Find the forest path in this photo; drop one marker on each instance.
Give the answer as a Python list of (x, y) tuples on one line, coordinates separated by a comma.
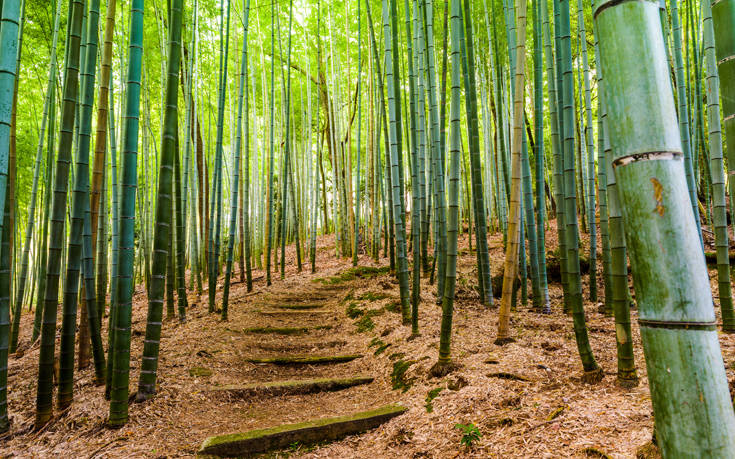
[(300, 349), (202, 359)]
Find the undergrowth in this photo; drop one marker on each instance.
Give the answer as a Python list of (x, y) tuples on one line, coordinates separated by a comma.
[(433, 393), (358, 272), (398, 378)]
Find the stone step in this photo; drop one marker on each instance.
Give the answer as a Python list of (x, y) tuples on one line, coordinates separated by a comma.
[(299, 298), (298, 306), (296, 313), (285, 330), (285, 346), (304, 359), (309, 432), (308, 386)]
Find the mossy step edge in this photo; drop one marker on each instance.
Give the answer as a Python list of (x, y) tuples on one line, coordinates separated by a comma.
[(285, 330), (298, 307), (309, 432), (304, 360), (295, 312), (308, 386)]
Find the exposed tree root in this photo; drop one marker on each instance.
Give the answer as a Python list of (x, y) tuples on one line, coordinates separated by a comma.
[(443, 368), (593, 376)]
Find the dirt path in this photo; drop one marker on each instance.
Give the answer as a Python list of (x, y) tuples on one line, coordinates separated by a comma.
[(297, 317), (544, 410)]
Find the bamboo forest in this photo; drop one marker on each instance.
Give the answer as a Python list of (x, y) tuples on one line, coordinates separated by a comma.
[(367, 228)]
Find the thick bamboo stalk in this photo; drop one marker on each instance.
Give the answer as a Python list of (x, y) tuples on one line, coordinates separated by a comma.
[(444, 364), (120, 364), (44, 392), (685, 368)]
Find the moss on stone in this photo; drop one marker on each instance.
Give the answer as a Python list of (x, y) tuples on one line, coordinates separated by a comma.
[(373, 296), (309, 432), (358, 272), (200, 372)]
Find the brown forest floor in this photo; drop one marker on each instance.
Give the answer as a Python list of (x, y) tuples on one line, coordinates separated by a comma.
[(514, 416)]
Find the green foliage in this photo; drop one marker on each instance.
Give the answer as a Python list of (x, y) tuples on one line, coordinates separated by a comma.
[(348, 297), (398, 378), (382, 346), (365, 324), (373, 296), (358, 272), (199, 372), (354, 311), (394, 306), (470, 434), (433, 393)]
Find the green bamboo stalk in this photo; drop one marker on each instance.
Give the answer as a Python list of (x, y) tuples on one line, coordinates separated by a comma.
[(592, 371), (356, 240), (43, 252), (424, 192), (603, 191), (90, 327), (44, 393), (473, 133), (102, 251), (216, 197), (236, 164), (444, 364), (717, 171), (189, 164), (20, 289), (437, 143), (539, 151), (619, 294), (686, 373), (5, 289), (269, 224), (245, 224), (394, 136), (723, 22), (286, 169), (557, 107), (115, 242), (163, 229), (591, 200), (683, 109), (415, 194), (180, 231), (119, 385)]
